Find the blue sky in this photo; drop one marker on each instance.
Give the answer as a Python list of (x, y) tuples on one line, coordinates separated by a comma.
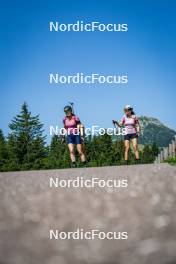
[(146, 53)]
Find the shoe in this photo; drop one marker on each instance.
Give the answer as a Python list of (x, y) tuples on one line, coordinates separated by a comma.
[(137, 161), (73, 165), (126, 162), (84, 164)]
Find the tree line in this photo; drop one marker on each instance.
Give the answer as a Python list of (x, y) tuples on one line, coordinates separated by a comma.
[(25, 147)]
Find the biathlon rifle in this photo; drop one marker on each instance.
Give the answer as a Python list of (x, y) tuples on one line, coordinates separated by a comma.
[(72, 104)]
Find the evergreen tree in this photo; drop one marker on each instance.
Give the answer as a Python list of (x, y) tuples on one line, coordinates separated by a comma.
[(3, 152), (155, 150), (106, 153), (149, 153), (25, 148), (147, 156), (93, 150), (100, 150), (118, 152), (13, 164), (27, 143), (58, 153)]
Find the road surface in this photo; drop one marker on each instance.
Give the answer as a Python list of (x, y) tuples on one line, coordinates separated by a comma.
[(145, 210)]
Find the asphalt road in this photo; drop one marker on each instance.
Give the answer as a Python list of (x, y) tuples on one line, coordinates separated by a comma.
[(145, 210)]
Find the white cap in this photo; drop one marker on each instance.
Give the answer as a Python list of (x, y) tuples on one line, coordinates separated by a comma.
[(128, 107)]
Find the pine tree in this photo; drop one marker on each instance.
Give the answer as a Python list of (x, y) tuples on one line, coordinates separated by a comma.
[(27, 143), (3, 152), (58, 153), (147, 154), (118, 152), (99, 150), (13, 164), (155, 150), (93, 151), (106, 154)]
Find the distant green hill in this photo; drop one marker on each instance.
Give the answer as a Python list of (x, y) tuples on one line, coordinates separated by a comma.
[(155, 131)]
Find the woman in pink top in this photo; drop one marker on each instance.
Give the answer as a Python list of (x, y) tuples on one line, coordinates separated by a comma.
[(131, 123)]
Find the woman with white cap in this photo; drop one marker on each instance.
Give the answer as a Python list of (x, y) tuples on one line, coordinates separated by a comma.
[(132, 127)]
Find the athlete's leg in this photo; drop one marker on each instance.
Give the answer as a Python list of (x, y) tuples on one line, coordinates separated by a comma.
[(72, 152), (127, 148), (135, 147), (81, 152)]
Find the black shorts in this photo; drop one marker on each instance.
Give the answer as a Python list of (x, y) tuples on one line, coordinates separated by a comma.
[(130, 136)]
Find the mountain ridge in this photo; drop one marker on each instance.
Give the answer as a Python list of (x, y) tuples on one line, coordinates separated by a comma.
[(154, 131)]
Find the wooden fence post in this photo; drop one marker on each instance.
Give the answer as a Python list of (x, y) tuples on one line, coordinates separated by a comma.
[(167, 152), (162, 155), (174, 147), (170, 150), (159, 158)]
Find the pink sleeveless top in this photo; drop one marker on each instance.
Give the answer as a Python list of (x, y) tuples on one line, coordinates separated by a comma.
[(130, 124), (71, 124)]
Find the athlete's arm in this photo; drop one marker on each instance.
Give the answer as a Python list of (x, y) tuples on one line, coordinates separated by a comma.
[(137, 126), (119, 124), (64, 124), (138, 129), (80, 127)]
